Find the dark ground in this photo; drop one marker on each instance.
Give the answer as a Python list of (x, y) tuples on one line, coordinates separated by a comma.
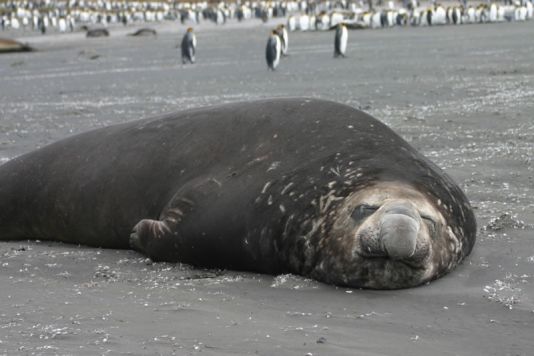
[(462, 95)]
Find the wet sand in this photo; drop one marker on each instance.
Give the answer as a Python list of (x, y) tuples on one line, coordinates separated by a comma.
[(463, 95)]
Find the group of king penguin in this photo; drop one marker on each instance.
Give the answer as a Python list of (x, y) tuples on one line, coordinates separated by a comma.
[(277, 45), (278, 41)]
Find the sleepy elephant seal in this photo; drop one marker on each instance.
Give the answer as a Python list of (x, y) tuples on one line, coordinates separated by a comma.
[(304, 186), (97, 32), (144, 32)]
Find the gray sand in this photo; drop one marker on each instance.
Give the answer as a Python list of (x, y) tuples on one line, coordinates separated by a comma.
[(462, 95)]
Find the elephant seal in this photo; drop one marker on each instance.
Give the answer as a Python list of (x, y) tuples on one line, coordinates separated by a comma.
[(298, 185), (144, 32), (97, 32), (8, 46)]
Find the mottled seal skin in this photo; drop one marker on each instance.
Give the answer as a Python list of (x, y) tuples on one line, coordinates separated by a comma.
[(297, 185)]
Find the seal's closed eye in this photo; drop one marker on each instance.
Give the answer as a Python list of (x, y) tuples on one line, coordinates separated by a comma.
[(363, 211), (432, 228)]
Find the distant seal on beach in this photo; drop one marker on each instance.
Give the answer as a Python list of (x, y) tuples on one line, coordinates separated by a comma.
[(144, 32), (7, 46), (97, 32), (302, 186)]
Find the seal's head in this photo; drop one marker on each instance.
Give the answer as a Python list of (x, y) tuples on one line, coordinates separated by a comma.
[(391, 235)]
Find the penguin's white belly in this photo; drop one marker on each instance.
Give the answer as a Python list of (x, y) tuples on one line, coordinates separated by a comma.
[(278, 52), (343, 41)]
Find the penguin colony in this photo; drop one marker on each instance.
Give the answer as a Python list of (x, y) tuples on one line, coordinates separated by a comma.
[(412, 15), (69, 15), (304, 15)]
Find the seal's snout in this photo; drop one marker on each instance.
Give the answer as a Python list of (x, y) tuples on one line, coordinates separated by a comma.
[(402, 209), (399, 227)]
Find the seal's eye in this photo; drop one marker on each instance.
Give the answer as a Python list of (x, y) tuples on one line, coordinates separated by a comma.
[(431, 224), (363, 211)]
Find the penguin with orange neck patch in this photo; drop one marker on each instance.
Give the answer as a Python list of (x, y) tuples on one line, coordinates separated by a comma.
[(189, 45)]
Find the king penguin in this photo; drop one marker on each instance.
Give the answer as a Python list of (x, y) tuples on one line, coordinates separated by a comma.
[(284, 38), (273, 50), (340, 41), (189, 45)]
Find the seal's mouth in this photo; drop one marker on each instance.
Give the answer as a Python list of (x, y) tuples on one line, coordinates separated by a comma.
[(415, 265), (387, 273)]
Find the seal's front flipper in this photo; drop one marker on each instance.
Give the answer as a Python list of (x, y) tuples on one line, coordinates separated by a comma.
[(166, 238), (158, 239)]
